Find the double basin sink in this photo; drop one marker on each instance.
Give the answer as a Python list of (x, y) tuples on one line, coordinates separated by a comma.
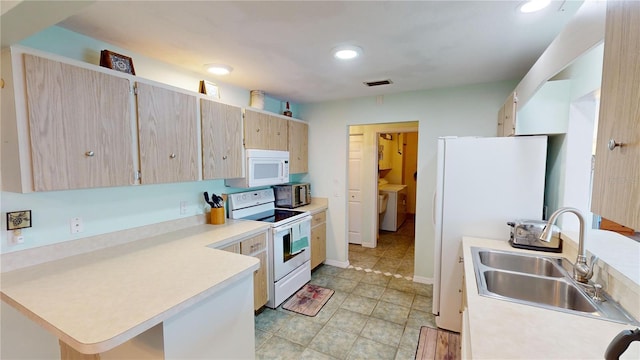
[(542, 281)]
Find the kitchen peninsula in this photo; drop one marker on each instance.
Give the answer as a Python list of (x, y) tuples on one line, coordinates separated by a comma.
[(166, 296)]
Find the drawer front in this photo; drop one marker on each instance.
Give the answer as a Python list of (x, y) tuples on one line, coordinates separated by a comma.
[(253, 244), (234, 248), (319, 218)]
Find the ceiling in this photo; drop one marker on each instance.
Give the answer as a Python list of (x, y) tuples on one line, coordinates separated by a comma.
[(284, 47)]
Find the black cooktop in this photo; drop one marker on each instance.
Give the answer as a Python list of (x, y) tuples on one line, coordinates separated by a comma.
[(274, 215)]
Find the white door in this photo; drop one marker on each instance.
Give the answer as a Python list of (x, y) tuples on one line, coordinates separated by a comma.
[(355, 188)]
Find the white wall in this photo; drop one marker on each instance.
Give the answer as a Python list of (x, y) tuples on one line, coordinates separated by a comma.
[(469, 110)]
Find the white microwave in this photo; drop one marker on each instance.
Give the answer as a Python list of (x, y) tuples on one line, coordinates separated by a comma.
[(263, 168)]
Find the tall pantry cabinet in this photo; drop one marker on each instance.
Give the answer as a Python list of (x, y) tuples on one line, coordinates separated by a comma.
[(616, 184)]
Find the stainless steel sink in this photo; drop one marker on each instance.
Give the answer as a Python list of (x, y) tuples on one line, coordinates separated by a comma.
[(535, 265), (548, 291), (542, 281)]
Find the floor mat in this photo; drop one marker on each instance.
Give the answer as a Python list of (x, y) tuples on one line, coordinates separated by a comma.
[(308, 300), (438, 344)]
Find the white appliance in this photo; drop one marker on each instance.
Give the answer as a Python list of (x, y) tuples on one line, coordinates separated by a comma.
[(482, 183), (396, 212), (263, 168), (289, 251)]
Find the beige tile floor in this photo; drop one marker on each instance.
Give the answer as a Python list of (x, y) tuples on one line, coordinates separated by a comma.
[(394, 253), (370, 316)]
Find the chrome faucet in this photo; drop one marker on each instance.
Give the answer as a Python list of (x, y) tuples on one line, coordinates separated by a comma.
[(582, 271)]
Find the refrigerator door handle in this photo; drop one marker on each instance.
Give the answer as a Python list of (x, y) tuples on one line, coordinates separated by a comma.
[(433, 208)]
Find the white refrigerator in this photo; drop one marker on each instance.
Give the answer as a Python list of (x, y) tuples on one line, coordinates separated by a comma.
[(482, 183)]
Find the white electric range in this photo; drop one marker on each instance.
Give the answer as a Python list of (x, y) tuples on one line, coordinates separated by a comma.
[(289, 249)]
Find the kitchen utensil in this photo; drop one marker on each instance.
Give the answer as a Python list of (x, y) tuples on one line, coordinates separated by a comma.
[(206, 198)]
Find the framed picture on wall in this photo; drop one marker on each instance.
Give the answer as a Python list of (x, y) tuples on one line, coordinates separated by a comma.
[(210, 89), (116, 61)]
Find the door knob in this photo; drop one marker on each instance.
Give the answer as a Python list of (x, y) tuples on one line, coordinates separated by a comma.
[(613, 144)]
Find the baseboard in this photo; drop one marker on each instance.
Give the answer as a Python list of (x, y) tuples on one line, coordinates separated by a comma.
[(422, 280), (340, 264)]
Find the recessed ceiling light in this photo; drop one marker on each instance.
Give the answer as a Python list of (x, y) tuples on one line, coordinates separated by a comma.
[(347, 52), (534, 5), (218, 69)]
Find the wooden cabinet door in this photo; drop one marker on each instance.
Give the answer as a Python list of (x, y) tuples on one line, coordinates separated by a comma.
[(509, 113), (278, 133), (80, 126), (256, 130), (257, 247), (298, 147), (501, 121), (616, 184), (167, 135), (318, 239), (260, 289), (264, 131), (221, 140)]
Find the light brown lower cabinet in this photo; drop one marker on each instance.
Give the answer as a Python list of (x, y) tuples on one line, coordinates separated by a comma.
[(318, 239), (255, 246)]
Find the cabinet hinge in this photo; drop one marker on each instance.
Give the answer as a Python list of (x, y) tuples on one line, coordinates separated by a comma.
[(135, 90), (137, 175)]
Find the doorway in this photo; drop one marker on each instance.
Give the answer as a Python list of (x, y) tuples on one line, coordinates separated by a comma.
[(382, 159)]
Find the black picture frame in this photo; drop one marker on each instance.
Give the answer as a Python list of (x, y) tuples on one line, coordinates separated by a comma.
[(19, 220)]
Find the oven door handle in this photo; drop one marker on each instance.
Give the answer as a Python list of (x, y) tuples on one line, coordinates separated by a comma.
[(299, 252)]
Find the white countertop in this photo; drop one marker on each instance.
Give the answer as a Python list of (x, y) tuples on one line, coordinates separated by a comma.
[(506, 330), (99, 300), (317, 205), (391, 187)]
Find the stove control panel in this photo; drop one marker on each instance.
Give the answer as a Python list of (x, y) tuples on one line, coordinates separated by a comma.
[(251, 198)]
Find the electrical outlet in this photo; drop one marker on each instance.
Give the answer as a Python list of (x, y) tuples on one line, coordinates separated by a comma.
[(16, 237), (183, 207), (76, 225)]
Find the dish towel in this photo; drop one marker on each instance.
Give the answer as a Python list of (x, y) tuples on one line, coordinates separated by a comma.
[(300, 239)]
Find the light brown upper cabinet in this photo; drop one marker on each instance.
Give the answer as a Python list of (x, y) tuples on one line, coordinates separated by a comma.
[(79, 126), (298, 147), (265, 131), (507, 116), (221, 140), (616, 184), (167, 135)]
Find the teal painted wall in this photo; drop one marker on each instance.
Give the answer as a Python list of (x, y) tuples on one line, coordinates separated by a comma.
[(111, 209)]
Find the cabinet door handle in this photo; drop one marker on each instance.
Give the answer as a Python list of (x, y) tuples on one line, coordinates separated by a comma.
[(172, 156), (613, 144), (224, 157), (89, 153)]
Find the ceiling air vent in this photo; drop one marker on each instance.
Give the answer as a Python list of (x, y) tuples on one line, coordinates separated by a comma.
[(378, 83)]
